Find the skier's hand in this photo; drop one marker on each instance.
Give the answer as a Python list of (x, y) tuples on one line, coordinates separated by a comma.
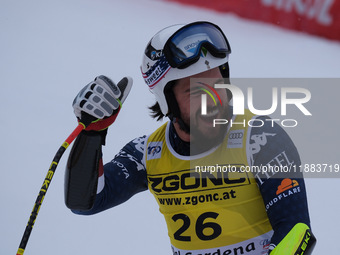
[(100, 101)]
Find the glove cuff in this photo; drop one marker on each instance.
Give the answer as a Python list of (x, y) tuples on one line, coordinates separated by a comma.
[(102, 124)]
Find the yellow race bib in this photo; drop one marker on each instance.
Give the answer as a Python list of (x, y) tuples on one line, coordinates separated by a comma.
[(209, 204)]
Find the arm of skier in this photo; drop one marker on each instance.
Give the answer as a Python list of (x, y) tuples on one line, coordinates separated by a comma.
[(101, 100), (282, 188), (117, 181)]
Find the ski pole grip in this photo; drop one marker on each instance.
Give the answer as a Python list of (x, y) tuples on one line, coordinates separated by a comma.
[(86, 119)]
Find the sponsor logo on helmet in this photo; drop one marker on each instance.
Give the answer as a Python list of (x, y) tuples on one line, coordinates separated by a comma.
[(153, 53), (156, 72), (156, 54)]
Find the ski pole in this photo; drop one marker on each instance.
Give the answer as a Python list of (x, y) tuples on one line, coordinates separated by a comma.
[(81, 126)]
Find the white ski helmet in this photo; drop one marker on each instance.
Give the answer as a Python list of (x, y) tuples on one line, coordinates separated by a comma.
[(181, 51)]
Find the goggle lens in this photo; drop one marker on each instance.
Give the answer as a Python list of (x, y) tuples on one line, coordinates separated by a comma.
[(191, 42)]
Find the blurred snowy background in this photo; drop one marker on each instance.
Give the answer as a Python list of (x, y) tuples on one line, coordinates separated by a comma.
[(50, 49)]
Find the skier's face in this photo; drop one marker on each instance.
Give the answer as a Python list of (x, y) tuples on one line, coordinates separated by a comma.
[(188, 92)]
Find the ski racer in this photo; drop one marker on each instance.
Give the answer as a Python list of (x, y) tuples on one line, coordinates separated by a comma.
[(194, 170)]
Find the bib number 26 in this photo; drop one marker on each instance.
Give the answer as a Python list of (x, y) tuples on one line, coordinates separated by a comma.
[(202, 223)]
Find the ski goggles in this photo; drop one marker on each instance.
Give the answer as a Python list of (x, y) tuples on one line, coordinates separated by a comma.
[(188, 44)]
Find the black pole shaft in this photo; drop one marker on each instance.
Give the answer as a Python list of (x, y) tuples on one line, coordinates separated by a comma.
[(40, 199)]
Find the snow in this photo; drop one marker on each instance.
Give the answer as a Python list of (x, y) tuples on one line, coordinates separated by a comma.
[(50, 49)]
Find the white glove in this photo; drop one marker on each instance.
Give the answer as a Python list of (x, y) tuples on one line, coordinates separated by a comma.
[(102, 100)]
